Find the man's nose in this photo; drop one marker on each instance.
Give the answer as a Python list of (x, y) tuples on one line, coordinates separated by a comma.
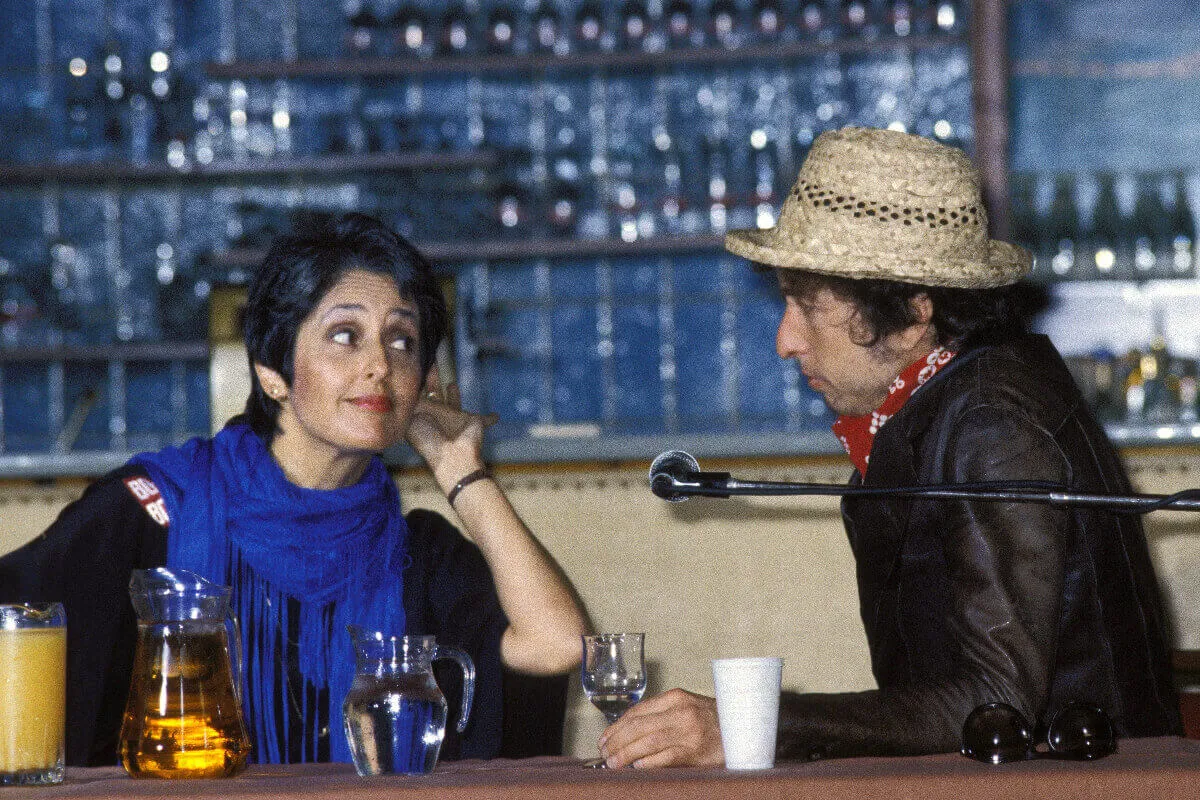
[(789, 339)]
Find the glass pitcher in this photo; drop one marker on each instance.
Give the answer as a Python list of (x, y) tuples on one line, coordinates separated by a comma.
[(183, 718), (394, 712)]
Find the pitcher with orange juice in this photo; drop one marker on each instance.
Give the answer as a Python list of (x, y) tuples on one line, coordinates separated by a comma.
[(183, 718)]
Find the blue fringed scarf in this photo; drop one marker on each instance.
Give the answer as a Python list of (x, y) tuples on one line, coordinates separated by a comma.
[(339, 554)]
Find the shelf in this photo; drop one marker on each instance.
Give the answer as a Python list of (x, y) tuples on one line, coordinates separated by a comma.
[(257, 168), (526, 62), (136, 351), (502, 250)]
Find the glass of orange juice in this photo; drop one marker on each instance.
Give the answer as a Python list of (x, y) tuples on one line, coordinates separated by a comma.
[(33, 670)]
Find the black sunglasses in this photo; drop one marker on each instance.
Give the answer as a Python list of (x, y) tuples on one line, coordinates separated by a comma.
[(996, 732)]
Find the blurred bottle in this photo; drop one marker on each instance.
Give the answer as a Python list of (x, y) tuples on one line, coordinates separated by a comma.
[(1138, 364), (79, 95), (947, 16), (671, 201), (510, 206), (681, 24), (1022, 217), (769, 21), (547, 29), (1184, 370), (898, 17), (854, 20), (813, 19), (411, 30), (114, 95), (168, 109), (764, 162), (1107, 237), (716, 153), (1057, 239), (1148, 228), (562, 207), (501, 29), (726, 24), (590, 33), (363, 28), (457, 36), (634, 25), (1183, 228)]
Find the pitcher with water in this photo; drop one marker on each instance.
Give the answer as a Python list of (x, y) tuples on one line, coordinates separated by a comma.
[(395, 714), (183, 718)]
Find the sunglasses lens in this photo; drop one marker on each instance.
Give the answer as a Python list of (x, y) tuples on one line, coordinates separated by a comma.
[(995, 733), (1082, 732)]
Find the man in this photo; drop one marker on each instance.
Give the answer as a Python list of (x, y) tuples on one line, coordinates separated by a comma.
[(901, 312)]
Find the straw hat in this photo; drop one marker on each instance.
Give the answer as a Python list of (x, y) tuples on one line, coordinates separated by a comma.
[(875, 203)]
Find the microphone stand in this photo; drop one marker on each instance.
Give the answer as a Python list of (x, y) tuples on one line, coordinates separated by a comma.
[(670, 482)]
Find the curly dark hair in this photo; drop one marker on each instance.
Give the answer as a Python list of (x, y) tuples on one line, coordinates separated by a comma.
[(300, 268), (961, 317)]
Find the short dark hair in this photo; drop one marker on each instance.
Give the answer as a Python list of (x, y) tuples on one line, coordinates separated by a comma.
[(961, 317), (297, 272)]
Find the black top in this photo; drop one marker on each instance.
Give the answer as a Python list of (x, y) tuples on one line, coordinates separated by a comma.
[(969, 602), (84, 561)]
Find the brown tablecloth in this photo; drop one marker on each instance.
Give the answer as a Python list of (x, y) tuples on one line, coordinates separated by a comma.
[(1166, 767)]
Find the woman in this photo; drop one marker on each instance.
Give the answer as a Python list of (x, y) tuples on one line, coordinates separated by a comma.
[(291, 505)]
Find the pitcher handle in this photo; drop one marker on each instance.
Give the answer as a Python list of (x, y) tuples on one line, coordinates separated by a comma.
[(238, 676), (468, 669)]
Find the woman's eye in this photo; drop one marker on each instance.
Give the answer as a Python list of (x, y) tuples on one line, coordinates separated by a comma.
[(404, 343), (343, 336)]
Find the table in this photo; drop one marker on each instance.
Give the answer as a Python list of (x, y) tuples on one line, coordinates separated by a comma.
[(1167, 767)]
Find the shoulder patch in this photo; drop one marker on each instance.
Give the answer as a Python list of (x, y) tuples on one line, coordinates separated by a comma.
[(146, 493)]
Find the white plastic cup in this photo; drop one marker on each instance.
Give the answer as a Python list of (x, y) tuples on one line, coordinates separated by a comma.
[(748, 709)]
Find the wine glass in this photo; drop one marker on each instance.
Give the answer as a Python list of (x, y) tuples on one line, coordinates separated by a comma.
[(614, 671)]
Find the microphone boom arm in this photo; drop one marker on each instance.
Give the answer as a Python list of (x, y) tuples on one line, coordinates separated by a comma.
[(671, 479)]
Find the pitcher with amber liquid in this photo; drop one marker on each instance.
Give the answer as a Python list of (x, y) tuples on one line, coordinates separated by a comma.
[(183, 718)]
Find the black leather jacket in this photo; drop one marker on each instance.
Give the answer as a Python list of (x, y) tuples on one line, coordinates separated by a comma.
[(969, 602)]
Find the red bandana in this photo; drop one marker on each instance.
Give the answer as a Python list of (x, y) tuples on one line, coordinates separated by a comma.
[(857, 434)]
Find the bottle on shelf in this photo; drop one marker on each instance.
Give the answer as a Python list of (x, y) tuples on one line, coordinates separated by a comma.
[(546, 29), (1183, 232), (79, 96), (457, 34), (769, 20), (114, 95), (634, 25), (725, 24), (1151, 239), (948, 16), (590, 29), (717, 161), (1022, 217), (501, 29), (764, 161), (855, 20), (411, 32), (681, 24), (813, 20), (898, 17), (363, 28), (1059, 231), (1107, 237)]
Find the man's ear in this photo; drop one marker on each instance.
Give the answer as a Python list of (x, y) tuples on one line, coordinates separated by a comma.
[(922, 307)]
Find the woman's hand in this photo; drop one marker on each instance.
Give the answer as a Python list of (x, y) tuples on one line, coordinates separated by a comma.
[(545, 617), (449, 439)]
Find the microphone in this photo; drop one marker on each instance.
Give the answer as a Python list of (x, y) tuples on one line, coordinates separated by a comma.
[(676, 476), (676, 470)]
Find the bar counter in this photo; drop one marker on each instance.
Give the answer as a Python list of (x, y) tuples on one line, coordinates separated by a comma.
[(1167, 767)]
